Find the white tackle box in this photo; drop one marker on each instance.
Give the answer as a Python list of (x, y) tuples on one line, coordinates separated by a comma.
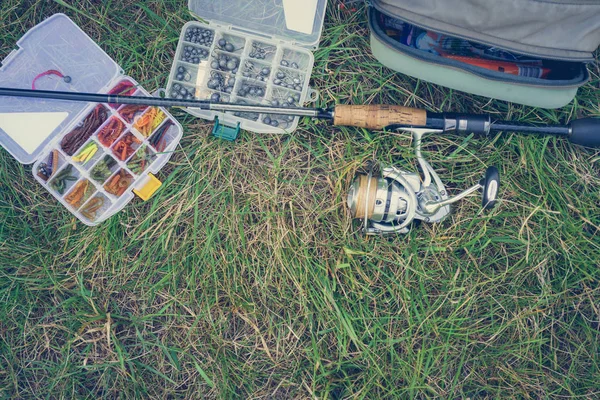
[(279, 74), (132, 143)]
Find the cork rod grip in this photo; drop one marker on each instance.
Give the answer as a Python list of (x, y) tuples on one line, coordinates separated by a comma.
[(378, 116)]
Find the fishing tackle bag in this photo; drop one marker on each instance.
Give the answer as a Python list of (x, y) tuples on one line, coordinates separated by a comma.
[(532, 52)]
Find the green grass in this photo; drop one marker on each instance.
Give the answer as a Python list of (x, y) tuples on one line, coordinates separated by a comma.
[(243, 276)]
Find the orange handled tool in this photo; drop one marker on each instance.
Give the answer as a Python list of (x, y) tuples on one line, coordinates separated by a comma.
[(506, 67)]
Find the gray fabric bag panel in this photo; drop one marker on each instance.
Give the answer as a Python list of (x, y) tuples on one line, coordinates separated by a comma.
[(556, 29)]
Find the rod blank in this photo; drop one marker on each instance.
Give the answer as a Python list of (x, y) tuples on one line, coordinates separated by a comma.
[(585, 132), (162, 102)]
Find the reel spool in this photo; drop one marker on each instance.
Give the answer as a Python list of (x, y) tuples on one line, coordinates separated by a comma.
[(391, 203)]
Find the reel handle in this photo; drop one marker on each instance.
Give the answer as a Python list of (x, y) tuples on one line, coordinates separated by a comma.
[(585, 132), (490, 184)]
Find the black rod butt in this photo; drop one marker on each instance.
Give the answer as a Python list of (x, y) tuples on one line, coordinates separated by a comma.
[(585, 132)]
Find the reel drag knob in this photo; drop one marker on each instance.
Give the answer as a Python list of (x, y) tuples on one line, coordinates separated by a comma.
[(490, 184)]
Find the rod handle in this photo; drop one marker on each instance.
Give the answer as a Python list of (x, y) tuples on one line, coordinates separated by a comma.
[(378, 116), (585, 132)]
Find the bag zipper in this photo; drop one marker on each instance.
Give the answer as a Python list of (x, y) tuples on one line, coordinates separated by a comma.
[(487, 43)]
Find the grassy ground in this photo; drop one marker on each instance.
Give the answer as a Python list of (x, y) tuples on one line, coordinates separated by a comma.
[(244, 277)]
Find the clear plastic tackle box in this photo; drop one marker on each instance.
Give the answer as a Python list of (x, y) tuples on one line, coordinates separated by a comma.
[(249, 52), (91, 157)]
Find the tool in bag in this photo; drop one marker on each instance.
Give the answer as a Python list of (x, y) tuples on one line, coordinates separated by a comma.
[(530, 52)]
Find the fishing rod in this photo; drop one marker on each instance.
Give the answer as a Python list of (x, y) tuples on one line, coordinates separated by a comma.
[(584, 132)]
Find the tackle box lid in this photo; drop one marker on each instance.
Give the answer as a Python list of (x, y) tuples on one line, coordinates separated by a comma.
[(56, 44), (297, 21)]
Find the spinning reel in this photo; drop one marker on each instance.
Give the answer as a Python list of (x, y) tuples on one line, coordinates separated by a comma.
[(391, 203)]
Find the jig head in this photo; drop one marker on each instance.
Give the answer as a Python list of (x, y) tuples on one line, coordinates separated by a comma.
[(391, 203)]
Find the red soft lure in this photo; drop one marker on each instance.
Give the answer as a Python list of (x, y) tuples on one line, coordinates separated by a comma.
[(49, 72), (124, 88)]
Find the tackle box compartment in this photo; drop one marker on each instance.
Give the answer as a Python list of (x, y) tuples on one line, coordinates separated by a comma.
[(249, 52), (131, 142)]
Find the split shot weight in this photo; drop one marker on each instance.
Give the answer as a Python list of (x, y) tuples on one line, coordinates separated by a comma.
[(183, 75), (226, 46), (199, 36), (288, 64), (225, 62), (251, 90), (220, 82), (181, 92), (193, 55)]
